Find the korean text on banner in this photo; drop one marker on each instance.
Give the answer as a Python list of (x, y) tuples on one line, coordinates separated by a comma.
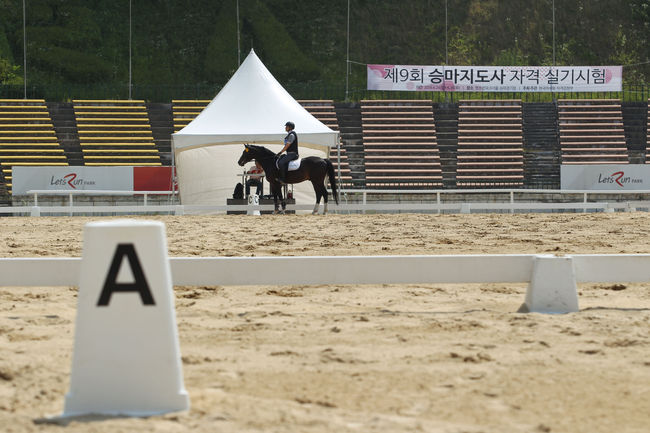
[(495, 78)]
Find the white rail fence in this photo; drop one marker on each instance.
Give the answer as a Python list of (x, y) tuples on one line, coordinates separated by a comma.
[(354, 201), (71, 193), (551, 279)]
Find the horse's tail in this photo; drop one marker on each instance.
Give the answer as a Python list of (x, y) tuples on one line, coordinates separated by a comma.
[(332, 176)]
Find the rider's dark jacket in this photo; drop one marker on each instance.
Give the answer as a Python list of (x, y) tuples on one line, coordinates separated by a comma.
[(293, 138)]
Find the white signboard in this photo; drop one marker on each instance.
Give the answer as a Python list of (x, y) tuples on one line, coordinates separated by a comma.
[(495, 78), (71, 178), (615, 177)]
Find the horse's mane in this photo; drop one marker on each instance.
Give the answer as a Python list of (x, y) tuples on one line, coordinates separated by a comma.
[(261, 149)]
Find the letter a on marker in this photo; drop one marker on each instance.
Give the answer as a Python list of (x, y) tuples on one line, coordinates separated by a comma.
[(139, 285)]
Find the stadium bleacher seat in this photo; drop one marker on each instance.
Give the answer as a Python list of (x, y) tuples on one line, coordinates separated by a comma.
[(115, 132), (185, 110), (323, 110), (591, 131), (400, 146), (27, 137), (490, 143)]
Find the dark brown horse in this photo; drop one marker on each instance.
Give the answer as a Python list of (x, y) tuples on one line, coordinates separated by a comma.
[(311, 168)]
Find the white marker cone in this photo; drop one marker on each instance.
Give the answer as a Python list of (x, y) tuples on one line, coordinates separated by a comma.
[(552, 287), (126, 357)]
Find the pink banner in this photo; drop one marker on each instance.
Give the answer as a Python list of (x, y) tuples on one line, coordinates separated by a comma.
[(495, 78)]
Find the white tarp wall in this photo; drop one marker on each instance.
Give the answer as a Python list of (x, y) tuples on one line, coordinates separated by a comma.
[(208, 175), (251, 108)]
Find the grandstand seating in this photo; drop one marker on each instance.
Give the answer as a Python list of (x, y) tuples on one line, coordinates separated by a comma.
[(323, 110), (115, 132), (490, 143), (27, 137), (185, 110), (399, 138), (591, 131), (399, 141)]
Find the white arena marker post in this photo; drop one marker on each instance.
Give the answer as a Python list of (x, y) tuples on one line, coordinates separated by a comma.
[(253, 200), (552, 287), (126, 357)]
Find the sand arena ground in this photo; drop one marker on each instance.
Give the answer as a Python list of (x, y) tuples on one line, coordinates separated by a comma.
[(387, 358)]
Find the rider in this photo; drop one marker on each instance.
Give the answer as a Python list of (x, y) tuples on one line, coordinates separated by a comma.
[(291, 147)]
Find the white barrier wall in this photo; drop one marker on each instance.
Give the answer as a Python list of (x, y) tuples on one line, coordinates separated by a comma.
[(368, 270)]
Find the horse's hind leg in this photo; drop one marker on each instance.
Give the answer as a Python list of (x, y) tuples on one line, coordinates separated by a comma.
[(325, 200), (315, 211), (318, 193), (282, 199)]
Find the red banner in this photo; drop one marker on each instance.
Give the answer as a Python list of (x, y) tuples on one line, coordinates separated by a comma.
[(153, 179)]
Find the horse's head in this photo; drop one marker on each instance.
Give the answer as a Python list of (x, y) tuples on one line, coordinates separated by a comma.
[(246, 156)]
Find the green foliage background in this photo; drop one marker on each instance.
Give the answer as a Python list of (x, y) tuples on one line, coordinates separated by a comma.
[(83, 45)]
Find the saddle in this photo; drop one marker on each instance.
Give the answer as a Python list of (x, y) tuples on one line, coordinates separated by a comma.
[(293, 165)]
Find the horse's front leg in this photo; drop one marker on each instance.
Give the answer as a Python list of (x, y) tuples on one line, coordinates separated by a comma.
[(277, 191), (276, 203)]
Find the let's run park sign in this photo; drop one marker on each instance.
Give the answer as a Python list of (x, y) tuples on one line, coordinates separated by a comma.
[(615, 177), (495, 78), (76, 178)]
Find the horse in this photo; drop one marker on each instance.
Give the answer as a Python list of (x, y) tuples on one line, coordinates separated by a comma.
[(311, 168)]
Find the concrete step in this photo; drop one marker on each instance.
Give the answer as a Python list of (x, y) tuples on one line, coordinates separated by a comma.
[(162, 126), (65, 128)]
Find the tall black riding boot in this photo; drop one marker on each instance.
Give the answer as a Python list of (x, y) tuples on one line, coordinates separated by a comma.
[(282, 176)]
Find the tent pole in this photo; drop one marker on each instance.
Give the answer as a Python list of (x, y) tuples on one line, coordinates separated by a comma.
[(174, 180), (338, 156)]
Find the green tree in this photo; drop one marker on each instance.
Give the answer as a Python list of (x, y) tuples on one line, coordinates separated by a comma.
[(84, 44), (9, 74)]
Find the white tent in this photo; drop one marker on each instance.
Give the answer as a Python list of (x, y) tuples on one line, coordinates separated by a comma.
[(251, 108)]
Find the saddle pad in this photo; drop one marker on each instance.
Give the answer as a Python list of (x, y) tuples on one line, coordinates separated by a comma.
[(294, 165)]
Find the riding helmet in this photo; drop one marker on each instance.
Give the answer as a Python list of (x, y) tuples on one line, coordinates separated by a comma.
[(290, 125)]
